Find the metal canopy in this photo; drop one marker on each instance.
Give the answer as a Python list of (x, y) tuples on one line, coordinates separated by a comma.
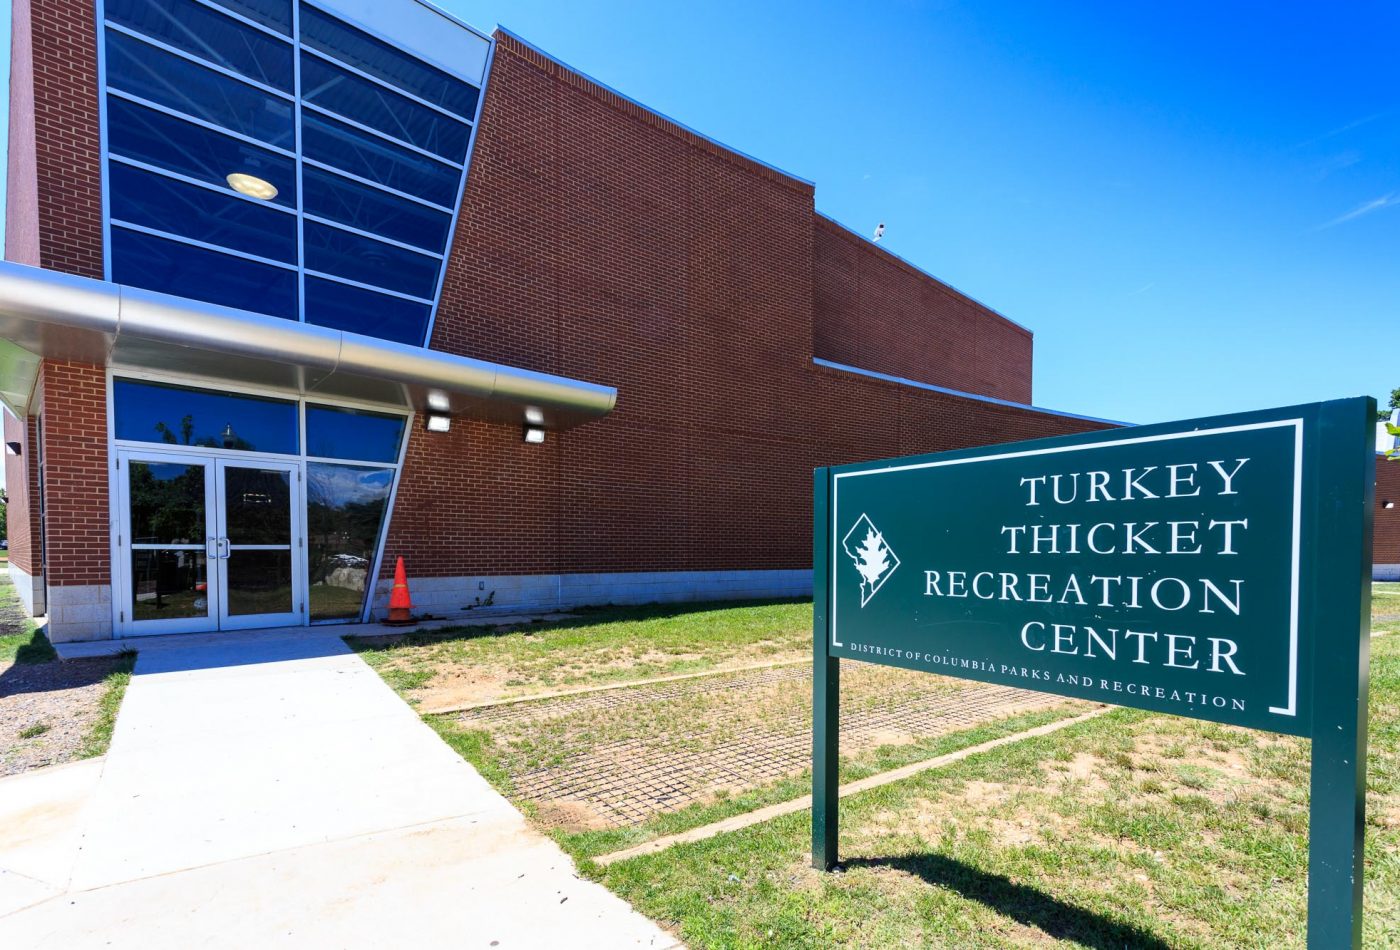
[(51, 315)]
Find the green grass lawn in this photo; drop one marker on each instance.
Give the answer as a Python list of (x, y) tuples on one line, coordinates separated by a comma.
[(20, 640), (22, 643), (1385, 599), (99, 737), (495, 759), (595, 646), (1132, 830)]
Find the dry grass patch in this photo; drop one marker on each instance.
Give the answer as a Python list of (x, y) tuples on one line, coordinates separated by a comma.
[(456, 667), (1130, 830)]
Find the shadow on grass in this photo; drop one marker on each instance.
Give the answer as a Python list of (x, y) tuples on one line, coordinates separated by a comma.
[(1021, 902), (578, 617), (41, 671), (35, 649)]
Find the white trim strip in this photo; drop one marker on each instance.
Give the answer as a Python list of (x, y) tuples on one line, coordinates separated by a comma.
[(646, 108), (908, 263), (914, 383)]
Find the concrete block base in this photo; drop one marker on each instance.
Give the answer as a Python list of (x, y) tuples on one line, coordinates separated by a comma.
[(80, 612), (29, 588), (461, 596)]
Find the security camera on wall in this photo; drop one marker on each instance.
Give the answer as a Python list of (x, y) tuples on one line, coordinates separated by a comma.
[(879, 231)]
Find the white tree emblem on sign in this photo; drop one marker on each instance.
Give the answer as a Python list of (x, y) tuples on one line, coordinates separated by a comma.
[(873, 558)]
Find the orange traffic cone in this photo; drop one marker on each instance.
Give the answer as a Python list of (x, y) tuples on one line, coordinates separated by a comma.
[(399, 602)]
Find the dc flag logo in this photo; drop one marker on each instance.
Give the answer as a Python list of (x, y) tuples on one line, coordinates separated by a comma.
[(873, 558)]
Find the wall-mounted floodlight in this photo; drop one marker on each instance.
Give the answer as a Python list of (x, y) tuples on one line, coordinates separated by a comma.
[(1384, 504), (534, 435), (12, 448), (534, 415), (438, 423), (438, 401)]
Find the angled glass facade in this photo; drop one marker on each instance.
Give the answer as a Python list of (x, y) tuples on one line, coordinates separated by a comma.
[(269, 155)]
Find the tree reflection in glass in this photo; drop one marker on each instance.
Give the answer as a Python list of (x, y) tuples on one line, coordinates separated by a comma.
[(345, 507)]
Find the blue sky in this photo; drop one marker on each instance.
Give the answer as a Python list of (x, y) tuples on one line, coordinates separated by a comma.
[(1195, 206)]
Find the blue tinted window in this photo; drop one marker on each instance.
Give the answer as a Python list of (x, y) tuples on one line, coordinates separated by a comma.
[(333, 251), (344, 93), (345, 507), (274, 13), (385, 62), (357, 310), (335, 143), (142, 260), (209, 34), (158, 139), (141, 197), (179, 84), (352, 434), (176, 415), (330, 196)]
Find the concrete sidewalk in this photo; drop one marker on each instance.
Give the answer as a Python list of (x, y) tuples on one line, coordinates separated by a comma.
[(276, 792)]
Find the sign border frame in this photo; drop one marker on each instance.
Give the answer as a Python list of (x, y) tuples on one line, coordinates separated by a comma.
[(1298, 451)]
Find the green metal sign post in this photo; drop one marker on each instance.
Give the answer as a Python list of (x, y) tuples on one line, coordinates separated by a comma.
[(1216, 568)]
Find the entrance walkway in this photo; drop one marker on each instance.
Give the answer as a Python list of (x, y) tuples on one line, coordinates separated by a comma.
[(275, 792)]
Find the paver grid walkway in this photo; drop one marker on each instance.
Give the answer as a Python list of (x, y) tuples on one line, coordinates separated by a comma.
[(629, 781)]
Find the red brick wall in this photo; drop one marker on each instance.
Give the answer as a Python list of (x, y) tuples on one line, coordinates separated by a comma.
[(22, 508), (67, 158), (874, 311), (54, 220), (601, 242), (1386, 548), (75, 474)]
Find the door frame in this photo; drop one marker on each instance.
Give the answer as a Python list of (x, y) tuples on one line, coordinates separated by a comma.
[(296, 545), (123, 599), (214, 461)]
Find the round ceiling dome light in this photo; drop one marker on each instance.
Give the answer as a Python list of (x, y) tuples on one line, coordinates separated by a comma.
[(252, 186)]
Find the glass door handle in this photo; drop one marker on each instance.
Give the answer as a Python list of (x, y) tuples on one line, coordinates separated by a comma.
[(224, 548), (211, 549)]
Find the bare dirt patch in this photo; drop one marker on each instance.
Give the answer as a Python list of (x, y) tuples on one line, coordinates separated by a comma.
[(570, 816), (48, 709), (457, 686)]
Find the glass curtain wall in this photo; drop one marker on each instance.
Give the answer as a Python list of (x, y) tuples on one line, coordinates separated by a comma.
[(269, 156), (351, 458), (346, 504)]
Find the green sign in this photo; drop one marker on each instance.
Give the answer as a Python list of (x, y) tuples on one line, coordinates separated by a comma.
[(1216, 568)]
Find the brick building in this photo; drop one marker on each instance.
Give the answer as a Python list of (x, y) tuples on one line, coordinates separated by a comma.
[(1386, 553), (297, 288)]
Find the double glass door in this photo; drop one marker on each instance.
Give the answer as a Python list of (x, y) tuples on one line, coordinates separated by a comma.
[(209, 543)]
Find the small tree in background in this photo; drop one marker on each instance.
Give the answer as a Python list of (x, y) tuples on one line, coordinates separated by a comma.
[(1393, 454)]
